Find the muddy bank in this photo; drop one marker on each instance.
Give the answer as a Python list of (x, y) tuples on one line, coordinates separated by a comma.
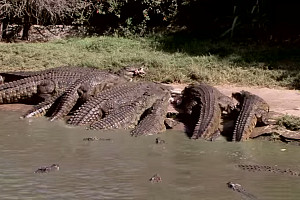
[(281, 102)]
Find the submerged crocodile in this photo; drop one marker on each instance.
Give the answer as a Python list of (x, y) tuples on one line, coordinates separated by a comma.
[(96, 139), (237, 187), (258, 168), (159, 141), (156, 178), (46, 169), (205, 103), (80, 89), (253, 109)]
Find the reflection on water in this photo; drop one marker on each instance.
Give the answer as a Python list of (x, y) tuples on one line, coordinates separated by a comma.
[(121, 169)]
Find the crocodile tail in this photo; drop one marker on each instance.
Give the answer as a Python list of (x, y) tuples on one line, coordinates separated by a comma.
[(246, 120)]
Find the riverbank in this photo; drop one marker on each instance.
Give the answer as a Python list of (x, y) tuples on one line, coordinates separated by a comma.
[(282, 102)]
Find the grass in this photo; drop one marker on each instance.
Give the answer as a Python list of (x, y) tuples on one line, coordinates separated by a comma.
[(168, 59), (289, 122)]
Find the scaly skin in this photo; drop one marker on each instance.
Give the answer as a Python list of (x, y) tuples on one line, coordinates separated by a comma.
[(126, 116), (253, 109), (88, 86), (265, 168), (44, 85), (14, 76), (42, 108), (89, 82), (153, 123), (210, 102), (96, 107), (91, 85)]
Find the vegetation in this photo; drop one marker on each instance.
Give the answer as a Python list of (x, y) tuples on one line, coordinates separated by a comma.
[(250, 19), (169, 59), (290, 122)]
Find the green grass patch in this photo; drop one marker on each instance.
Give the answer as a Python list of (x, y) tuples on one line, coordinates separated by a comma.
[(290, 122), (168, 59)]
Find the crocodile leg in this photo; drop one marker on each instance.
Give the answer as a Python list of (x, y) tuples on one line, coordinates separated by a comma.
[(42, 108)]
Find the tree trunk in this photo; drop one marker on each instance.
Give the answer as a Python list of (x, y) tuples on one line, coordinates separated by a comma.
[(1, 30), (3, 26), (26, 28)]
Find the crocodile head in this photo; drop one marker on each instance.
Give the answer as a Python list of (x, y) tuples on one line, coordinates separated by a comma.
[(132, 71), (239, 96)]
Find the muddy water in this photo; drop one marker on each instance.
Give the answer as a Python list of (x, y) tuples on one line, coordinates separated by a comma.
[(121, 169)]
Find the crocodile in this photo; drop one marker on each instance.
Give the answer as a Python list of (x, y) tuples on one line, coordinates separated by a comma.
[(45, 85), (48, 82), (84, 88), (159, 141), (102, 104), (17, 75), (206, 103), (128, 115), (96, 139), (253, 109), (46, 169), (237, 187), (266, 168), (153, 122)]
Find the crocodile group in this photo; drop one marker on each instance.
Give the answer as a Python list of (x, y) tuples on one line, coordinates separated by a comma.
[(252, 110), (104, 99), (61, 88), (205, 103), (141, 106)]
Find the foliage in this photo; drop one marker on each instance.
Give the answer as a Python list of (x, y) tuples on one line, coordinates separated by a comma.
[(290, 122), (28, 12)]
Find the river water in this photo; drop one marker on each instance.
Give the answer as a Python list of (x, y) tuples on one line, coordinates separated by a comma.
[(121, 169)]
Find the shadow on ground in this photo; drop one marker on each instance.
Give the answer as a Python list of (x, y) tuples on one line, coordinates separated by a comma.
[(283, 57)]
